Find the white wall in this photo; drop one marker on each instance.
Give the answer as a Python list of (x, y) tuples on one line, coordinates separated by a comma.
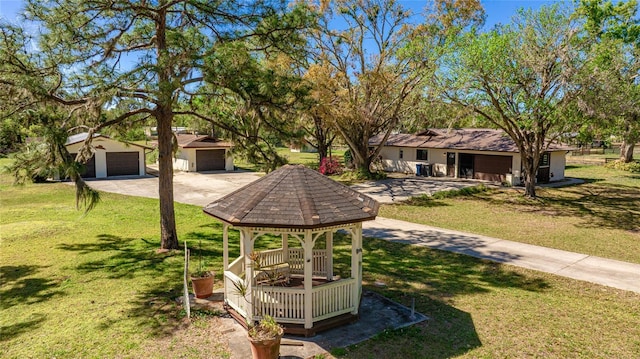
[(102, 145), (438, 157), (557, 164), (185, 159), (392, 162)]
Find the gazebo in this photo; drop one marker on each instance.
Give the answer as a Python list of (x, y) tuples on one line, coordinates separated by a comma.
[(293, 284)]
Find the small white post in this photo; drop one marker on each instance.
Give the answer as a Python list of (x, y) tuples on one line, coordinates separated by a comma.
[(187, 304)]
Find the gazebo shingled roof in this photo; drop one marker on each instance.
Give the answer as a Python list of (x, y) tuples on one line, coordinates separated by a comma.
[(293, 196)]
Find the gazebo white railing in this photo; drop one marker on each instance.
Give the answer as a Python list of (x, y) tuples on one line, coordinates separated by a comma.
[(286, 304)]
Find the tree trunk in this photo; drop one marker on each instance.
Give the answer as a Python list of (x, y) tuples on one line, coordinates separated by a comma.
[(626, 151), (529, 174), (630, 136), (164, 118), (168, 233)]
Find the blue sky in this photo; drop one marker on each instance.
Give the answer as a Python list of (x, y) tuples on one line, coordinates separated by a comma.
[(498, 11)]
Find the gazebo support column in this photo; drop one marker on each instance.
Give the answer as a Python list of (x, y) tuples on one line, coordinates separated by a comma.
[(329, 240), (246, 239), (285, 247), (225, 247), (308, 276), (356, 263)]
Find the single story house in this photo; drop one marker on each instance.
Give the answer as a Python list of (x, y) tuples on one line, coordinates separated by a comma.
[(110, 157), (202, 153), (484, 154)]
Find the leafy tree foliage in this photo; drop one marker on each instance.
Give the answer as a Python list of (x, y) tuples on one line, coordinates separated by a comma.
[(517, 78), (370, 70), (610, 81), (145, 61)]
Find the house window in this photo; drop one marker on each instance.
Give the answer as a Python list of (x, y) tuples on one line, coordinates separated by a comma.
[(421, 155), (544, 160), (401, 154)]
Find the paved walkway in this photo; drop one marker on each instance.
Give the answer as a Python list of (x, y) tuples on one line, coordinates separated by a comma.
[(617, 274)]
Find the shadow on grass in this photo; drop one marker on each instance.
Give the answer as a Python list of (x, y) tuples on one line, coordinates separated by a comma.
[(155, 278), (431, 279), (20, 286), (598, 205), (15, 330), (602, 206)]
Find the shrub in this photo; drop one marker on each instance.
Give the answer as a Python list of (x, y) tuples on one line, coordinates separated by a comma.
[(330, 166), (467, 191), (624, 166)]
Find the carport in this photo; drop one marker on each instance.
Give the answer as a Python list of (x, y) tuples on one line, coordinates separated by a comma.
[(484, 167)]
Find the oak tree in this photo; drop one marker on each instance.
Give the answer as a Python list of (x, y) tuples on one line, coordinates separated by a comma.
[(518, 78)]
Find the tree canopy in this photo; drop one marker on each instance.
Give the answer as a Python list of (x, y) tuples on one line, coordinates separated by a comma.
[(144, 60), (371, 69), (518, 78), (610, 82)]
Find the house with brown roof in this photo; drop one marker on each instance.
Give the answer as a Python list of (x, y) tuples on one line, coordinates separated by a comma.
[(484, 154), (110, 157), (202, 153)]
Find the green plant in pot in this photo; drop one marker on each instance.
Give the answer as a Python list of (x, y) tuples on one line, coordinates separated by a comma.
[(265, 338), (202, 279)]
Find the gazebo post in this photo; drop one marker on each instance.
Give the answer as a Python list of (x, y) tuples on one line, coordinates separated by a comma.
[(285, 247), (246, 240), (308, 276), (225, 247), (356, 262), (329, 241)]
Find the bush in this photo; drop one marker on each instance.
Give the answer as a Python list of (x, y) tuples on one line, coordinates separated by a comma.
[(348, 159), (467, 191), (624, 166), (330, 166)]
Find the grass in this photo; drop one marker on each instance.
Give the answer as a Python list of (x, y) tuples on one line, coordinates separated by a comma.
[(600, 217), (93, 286), (304, 158), (480, 309)]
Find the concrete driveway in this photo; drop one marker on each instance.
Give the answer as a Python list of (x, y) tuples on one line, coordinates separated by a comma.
[(201, 188), (393, 190), (188, 187)]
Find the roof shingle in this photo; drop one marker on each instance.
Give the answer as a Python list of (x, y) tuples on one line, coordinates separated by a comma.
[(458, 139), (293, 196)]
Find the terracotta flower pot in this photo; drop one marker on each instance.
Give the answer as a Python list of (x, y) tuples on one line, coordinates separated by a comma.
[(265, 349), (203, 285)]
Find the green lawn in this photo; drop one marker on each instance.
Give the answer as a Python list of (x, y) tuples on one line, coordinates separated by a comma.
[(305, 158), (600, 217), (78, 286)]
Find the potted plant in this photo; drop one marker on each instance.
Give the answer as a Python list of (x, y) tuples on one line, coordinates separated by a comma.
[(265, 338), (202, 279)]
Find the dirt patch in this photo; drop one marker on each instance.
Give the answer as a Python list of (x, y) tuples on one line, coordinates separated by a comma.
[(202, 337)]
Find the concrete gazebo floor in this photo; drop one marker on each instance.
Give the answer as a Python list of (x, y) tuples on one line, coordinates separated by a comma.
[(377, 314)]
